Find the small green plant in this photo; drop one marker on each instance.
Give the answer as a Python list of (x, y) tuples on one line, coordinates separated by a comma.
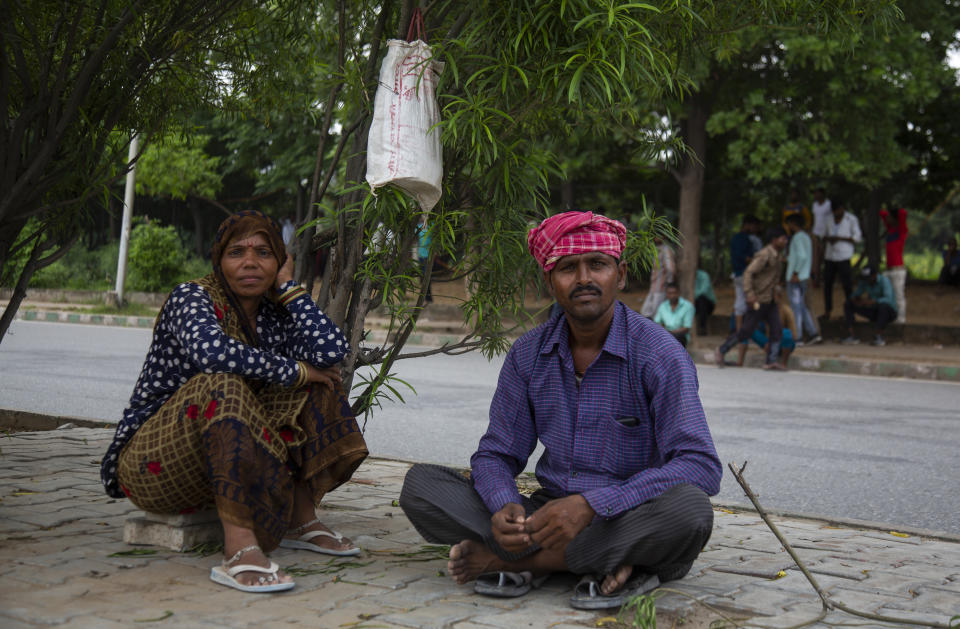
[(640, 611)]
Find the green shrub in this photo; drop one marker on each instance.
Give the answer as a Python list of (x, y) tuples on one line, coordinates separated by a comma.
[(925, 265), (156, 257), (80, 269)]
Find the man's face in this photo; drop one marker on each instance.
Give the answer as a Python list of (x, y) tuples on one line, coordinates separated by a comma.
[(819, 196), (586, 285), (672, 295), (779, 243), (837, 214)]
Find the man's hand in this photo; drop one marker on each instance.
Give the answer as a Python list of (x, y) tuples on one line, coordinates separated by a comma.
[(751, 301), (794, 279), (556, 523), (508, 530)]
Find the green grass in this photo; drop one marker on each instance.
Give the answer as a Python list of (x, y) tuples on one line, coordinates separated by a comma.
[(129, 309)]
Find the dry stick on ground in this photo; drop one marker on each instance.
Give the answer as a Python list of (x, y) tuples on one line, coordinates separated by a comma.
[(827, 602)]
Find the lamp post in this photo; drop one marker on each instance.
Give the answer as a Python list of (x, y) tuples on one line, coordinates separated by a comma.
[(128, 195)]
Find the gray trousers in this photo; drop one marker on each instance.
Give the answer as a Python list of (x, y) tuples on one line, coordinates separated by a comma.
[(662, 536)]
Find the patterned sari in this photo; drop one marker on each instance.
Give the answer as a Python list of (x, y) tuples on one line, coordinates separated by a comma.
[(241, 444)]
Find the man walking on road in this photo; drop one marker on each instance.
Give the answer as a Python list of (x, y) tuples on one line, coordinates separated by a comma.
[(628, 459), (760, 281), (742, 249)]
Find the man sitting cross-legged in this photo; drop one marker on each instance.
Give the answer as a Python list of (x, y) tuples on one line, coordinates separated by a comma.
[(628, 459)]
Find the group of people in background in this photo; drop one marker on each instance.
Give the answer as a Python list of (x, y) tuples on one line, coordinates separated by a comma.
[(772, 280)]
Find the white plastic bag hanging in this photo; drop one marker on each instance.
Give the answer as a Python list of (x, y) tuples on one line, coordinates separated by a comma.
[(403, 146)]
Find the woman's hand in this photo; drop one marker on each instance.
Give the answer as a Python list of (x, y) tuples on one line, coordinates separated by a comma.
[(285, 273), (328, 378)]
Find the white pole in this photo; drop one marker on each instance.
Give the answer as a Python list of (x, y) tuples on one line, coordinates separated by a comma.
[(128, 195)]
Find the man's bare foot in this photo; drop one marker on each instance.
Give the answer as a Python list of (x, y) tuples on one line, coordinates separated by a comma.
[(322, 541), (613, 582), (470, 559), (255, 557)]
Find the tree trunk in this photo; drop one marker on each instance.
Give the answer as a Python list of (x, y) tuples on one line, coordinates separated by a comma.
[(691, 179), (566, 195), (871, 228), (199, 240), (34, 264)]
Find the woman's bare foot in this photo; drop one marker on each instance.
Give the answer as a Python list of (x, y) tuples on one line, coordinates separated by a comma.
[(470, 559), (613, 582), (255, 557), (322, 541)]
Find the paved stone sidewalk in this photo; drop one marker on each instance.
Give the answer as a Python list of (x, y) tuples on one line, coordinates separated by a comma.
[(60, 535)]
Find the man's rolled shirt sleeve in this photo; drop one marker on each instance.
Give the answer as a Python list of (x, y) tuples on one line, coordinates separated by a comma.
[(508, 442), (682, 437)]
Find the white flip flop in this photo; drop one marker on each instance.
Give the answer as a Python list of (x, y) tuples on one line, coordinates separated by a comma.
[(303, 543), (227, 576)]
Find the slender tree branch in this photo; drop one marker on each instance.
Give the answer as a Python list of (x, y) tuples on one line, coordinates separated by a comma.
[(826, 601)]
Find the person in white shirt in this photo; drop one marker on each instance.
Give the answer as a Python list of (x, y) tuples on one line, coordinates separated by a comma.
[(839, 237), (821, 208)]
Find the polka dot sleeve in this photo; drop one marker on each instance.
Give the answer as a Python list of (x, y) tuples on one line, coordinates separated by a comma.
[(311, 335), (194, 322)]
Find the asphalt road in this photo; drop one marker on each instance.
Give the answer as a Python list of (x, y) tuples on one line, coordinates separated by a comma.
[(875, 449)]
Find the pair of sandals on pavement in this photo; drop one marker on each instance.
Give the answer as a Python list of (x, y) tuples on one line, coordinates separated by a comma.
[(226, 573), (586, 595)]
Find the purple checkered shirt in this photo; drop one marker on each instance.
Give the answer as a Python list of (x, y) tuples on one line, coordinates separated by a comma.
[(642, 373)]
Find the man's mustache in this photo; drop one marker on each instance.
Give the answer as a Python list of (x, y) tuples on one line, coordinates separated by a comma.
[(589, 288)]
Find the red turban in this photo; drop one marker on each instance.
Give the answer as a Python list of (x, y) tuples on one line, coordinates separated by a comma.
[(572, 233)]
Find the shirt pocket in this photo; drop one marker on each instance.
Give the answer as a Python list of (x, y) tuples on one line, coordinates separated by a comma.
[(624, 450)]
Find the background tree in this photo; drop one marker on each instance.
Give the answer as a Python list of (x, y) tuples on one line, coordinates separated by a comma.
[(76, 78)]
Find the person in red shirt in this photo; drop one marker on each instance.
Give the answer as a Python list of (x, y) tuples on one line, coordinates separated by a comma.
[(895, 221)]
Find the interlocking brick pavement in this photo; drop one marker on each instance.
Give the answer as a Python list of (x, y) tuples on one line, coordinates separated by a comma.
[(58, 531)]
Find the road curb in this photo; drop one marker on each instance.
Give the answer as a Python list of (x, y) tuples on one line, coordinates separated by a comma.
[(57, 316), (851, 366)]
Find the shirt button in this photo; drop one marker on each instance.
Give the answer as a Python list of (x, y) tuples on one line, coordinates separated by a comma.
[(575, 474), (609, 509)]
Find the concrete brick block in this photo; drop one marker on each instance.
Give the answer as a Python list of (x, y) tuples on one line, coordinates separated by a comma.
[(141, 531), (181, 519)]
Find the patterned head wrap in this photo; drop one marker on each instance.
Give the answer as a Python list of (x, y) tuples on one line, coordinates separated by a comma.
[(240, 225), (573, 233)]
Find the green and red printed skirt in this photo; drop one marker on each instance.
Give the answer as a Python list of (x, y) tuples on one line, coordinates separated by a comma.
[(242, 445)]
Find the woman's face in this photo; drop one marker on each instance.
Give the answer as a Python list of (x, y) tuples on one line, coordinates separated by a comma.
[(249, 265)]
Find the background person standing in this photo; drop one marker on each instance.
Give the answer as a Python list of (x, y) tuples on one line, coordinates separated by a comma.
[(895, 222), (796, 206), (704, 300), (839, 237), (664, 273), (799, 263)]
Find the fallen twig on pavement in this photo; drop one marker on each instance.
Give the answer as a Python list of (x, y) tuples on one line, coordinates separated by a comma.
[(827, 602)]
